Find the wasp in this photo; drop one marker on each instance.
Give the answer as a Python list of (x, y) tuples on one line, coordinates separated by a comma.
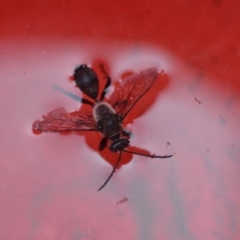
[(107, 115)]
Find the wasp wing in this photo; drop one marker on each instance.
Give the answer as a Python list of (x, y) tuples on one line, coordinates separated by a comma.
[(130, 90), (59, 121)]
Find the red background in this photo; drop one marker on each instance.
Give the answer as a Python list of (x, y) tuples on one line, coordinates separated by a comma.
[(49, 182)]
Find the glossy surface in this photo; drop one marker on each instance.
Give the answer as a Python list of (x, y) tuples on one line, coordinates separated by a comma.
[(49, 182)]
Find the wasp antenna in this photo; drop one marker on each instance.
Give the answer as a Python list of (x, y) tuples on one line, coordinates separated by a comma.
[(111, 174), (147, 155)]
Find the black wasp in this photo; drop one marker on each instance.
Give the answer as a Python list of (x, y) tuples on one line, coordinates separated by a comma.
[(107, 115)]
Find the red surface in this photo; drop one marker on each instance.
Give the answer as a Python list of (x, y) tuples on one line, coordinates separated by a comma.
[(49, 182)]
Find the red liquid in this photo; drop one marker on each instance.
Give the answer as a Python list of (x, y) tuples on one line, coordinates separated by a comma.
[(49, 181)]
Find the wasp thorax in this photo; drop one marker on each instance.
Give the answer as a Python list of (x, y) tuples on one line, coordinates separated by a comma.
[(102, 111), (107, 120), (87, 81)]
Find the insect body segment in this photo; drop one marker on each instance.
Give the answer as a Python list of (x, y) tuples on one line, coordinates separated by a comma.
[(87, 81), (106, 116), (107, 120)]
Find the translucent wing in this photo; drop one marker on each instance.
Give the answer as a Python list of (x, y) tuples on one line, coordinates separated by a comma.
[(130, 90), (59, 121)]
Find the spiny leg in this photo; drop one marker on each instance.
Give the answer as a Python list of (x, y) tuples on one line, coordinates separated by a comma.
[(147, 155), (126, 133), (111, 174), (85, 101), (107, 83), (103, 143)]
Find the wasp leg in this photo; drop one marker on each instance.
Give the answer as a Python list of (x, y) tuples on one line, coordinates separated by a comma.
[(107, 83), (103, 143), (85, 101), (126, 133), (147, 155)]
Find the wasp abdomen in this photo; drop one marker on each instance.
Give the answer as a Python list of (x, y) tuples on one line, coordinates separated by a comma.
[(87, 81)]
